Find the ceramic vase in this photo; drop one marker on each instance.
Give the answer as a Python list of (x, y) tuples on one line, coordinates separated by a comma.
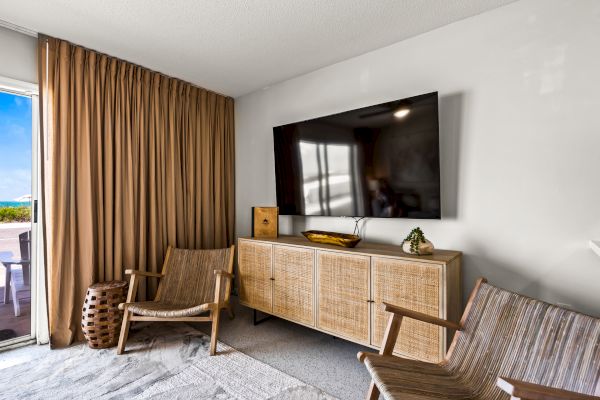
[(424, 248)]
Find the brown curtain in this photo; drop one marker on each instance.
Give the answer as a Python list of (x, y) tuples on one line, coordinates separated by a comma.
[(133, 161)]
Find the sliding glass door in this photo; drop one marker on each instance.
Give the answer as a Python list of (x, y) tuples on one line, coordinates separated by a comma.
[(18, 203)]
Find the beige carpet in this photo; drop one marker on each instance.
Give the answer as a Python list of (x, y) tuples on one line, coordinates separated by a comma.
[(163, 362)]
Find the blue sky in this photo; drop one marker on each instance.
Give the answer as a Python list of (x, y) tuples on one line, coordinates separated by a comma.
[(15, 146)]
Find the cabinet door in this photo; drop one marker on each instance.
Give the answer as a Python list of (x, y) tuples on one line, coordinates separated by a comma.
[(293, 273), (343, 295), (254, 271), (412, 285)]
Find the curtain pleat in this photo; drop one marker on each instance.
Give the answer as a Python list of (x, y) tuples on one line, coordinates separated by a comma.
[(134, 161)]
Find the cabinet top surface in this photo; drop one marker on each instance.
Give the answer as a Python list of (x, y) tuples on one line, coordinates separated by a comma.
[(365, 248)]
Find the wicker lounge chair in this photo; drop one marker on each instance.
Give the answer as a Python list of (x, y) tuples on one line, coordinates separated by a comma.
[(506, 346), (191, 285)]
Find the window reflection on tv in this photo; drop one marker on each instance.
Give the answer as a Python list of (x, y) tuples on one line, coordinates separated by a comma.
[(378, 161)]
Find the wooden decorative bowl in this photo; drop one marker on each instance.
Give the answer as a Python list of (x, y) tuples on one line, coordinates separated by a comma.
[(337, 239), (101, 318)]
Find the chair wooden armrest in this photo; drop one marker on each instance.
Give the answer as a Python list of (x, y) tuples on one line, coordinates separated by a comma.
[(122, 306), (530, 391), (134, 282), (364, 354), (405, 312), (223, 273), (143, 273), (219, 273)]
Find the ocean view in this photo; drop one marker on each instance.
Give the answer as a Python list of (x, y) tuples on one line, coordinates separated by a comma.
[(15, 203)]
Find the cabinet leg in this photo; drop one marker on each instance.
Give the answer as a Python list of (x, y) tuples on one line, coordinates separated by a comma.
[(256, 321)]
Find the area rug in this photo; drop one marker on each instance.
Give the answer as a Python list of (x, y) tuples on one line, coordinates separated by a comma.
[(163, 361)]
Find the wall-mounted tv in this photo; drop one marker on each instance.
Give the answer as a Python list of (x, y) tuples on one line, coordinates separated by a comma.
[(379, 161)]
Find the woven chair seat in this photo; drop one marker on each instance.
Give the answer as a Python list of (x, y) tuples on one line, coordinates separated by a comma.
[(400, 378), (165, 310)]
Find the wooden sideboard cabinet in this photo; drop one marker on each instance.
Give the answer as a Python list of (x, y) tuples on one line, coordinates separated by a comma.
[(339, 291)]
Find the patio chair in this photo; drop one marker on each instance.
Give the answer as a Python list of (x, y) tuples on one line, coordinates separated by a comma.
[(191, 290), (507, 346), (12, 286)]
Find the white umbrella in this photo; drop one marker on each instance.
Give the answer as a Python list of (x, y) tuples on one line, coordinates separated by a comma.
[(26, 197)]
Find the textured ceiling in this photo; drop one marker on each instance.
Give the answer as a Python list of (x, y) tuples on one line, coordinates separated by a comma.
[(237, 46)]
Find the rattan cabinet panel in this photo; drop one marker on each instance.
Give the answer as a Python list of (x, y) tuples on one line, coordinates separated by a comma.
[(254, 270), (343, 295), (293, 284), (416, 286)]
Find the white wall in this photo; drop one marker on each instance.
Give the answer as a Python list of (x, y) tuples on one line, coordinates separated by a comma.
[(520, 142), (18, 56)]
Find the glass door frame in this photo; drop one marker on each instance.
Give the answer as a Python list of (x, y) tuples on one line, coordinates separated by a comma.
[(38, 330)]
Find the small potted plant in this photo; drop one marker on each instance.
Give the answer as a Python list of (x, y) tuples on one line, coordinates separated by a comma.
[(416, 243)]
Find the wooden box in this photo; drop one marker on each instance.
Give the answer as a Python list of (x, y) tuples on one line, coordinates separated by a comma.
[(265, 222)]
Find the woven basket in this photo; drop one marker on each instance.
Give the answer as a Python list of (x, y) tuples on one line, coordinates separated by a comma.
[(101, 319)]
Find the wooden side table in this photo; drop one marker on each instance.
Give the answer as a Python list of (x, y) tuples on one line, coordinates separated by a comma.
[(101, 319)]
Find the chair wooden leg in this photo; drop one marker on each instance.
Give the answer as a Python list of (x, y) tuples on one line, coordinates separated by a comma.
[(230, 312), (214, 332), (13, 291), (373, 393), (26, 268), (124, 332), (6, 283)]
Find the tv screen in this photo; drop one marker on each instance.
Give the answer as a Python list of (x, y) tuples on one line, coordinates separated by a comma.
[(379, 161)]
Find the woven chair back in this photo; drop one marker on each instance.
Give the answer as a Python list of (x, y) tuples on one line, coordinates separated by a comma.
[(189, 276), (25, 245), (514, 336)]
